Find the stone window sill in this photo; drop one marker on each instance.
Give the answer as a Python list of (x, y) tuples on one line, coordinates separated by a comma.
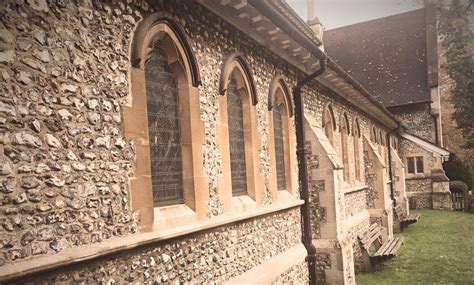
[(173, 216), (355, 188), (75, 255), (242, 204)]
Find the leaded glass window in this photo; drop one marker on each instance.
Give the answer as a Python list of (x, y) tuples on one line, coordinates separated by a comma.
[(163, 129), (279, 147), (236, 139)]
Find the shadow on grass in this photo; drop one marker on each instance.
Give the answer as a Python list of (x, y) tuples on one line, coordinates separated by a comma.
[(439, 249)]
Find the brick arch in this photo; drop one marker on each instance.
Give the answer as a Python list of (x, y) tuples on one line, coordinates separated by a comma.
[(278, 83), (141, 41), (236, 62)]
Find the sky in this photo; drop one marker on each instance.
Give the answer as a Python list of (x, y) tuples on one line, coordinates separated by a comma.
[(338, 13)]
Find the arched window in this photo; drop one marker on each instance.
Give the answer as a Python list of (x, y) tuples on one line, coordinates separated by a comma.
[(373, 135), (329, 123), (281, 143), (164, 117), (238, 121), (356, 138), (344, 149)]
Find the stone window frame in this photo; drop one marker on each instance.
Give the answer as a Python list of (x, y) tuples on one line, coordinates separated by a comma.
[(356, 136), (345, 132), (279, 88), (415, 157), (162, 26), (373, 135), (236, 65), (329, 123)]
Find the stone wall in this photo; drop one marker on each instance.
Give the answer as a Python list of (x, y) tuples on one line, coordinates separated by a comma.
[(211, 256), (64, 80), (420, 187), (357, 249), (418, 120), (298, 274), (356, 202), (65, 164)]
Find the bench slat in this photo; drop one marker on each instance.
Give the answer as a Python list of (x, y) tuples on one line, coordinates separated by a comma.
[(399, 244), (391, 247)]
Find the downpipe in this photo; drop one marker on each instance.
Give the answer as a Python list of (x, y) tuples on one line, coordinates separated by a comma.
[(390, 171), (302, 168)]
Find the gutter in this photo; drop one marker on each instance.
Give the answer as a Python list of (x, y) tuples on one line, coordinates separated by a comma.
[(267, 9), (302, 168)]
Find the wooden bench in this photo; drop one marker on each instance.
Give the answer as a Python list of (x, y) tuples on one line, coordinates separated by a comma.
[(378, 250), (405, 219)]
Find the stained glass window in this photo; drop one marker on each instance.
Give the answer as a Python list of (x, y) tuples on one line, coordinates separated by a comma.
[(163, 129), (236, 139)]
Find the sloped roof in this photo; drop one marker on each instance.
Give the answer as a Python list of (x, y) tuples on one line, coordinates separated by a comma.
[(429, 146), (387, 56)]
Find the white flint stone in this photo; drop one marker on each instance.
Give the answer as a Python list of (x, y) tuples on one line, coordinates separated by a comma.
[(120, 143), (6, 36), (70, 155), (53, 141), (69, 88), (92, 104), (7, 56), (42, 55), (6, 168), (34, 64), (23, 138), (93, 118), (36, 125), (8, 109), (24, 77), (64, 115), (39, 35), (38, 5)]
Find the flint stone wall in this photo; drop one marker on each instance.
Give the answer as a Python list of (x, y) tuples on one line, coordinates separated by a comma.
[(211, 256), (356, 202), (298, 274), (418, 120), (65, 164)]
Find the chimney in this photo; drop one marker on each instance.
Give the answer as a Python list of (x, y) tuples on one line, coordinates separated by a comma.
[(314, 22)]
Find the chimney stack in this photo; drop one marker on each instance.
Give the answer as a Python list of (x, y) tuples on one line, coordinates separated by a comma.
[(314, 22)]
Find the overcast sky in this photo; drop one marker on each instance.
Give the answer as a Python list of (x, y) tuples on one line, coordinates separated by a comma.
[(338, 13)]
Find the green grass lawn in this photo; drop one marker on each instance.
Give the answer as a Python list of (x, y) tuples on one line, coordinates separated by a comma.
[(439, 249)]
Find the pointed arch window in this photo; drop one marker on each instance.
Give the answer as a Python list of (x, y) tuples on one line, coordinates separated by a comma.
[(373, 135), (329, 124), (344, 148), (281, 143), (164, 119), (238, 121), (356, 139)]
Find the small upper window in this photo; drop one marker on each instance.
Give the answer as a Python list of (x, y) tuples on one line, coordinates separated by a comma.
[(415, 165)]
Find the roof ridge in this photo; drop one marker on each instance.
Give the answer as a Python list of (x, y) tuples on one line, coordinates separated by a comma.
[(376, 19)]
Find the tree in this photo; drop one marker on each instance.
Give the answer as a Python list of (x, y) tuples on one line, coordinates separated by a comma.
[(455, 169), (457, 38)]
